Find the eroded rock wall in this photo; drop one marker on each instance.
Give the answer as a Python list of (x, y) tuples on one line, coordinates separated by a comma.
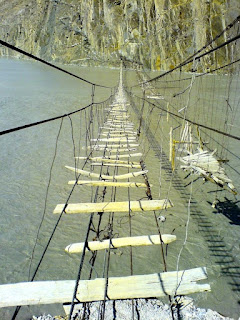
[(158, 33)]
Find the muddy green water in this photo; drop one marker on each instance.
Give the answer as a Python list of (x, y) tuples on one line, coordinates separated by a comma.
[(30, 92)]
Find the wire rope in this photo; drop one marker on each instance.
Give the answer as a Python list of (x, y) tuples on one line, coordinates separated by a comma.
[(8, 45)]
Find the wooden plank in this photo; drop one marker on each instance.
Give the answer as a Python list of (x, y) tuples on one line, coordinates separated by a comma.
[(122, 132), (107, 160), (118, 131), (114, 140), (114, 120), (120, 124), (120, 145), (120, 242), (105, 177), (113, 157), (115, 150), (113, 127), (123, 206), (109, 184), (127, 136), (119, 135), (117, 121), (120, 117), (130, 155), (133, 166), (137, 286), (119, 111), (116, 125), (156, 97), (123, 125)]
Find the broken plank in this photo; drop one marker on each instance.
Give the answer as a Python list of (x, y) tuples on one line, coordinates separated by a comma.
[(120, 242), (138, 286), (123, 206)]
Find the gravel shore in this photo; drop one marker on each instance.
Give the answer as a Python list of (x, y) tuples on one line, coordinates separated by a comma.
[(151, 309)]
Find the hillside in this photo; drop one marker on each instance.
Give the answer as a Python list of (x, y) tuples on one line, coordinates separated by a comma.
[(157, 33)]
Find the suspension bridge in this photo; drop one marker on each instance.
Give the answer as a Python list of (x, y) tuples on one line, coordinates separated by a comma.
[(121, 184)]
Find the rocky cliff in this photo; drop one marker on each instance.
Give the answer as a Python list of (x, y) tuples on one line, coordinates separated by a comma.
[(157, 33)]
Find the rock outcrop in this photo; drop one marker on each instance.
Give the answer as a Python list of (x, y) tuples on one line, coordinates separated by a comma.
[(157, 33)]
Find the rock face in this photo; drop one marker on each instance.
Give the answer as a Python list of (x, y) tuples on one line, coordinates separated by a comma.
[(157, 33)]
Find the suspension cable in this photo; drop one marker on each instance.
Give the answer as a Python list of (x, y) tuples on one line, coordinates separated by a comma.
[(188, 61), (8, 45), (52, 234), (191, 121), (237, 20), (48, 120)]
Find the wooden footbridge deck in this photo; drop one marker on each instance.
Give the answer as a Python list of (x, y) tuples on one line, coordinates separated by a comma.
[(119, 145)]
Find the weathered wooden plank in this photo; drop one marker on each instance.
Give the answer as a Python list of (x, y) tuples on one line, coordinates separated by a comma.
[(118, 125), (108, 160), (119, 111), (109, 183), (117, 131), (133, 166), (114, 157), (118, 121), (129, 155), (115, 125), (112, 148), (105, 177), (117, 150), (208, 166), (123, 206), (113, 119), (117, 118), (120, 117), (114, 139), (138, 286), (113, 135), (119, 135), (123, 123), (109, 146), (120, 242), (156, 97), (120, 132)]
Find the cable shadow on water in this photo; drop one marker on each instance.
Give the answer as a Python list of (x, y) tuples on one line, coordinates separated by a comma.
[(219, 252)]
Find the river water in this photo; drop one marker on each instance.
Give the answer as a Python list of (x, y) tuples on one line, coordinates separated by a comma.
[(31, 92)]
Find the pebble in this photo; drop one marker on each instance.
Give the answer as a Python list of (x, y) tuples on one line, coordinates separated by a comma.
[(147, 309)]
